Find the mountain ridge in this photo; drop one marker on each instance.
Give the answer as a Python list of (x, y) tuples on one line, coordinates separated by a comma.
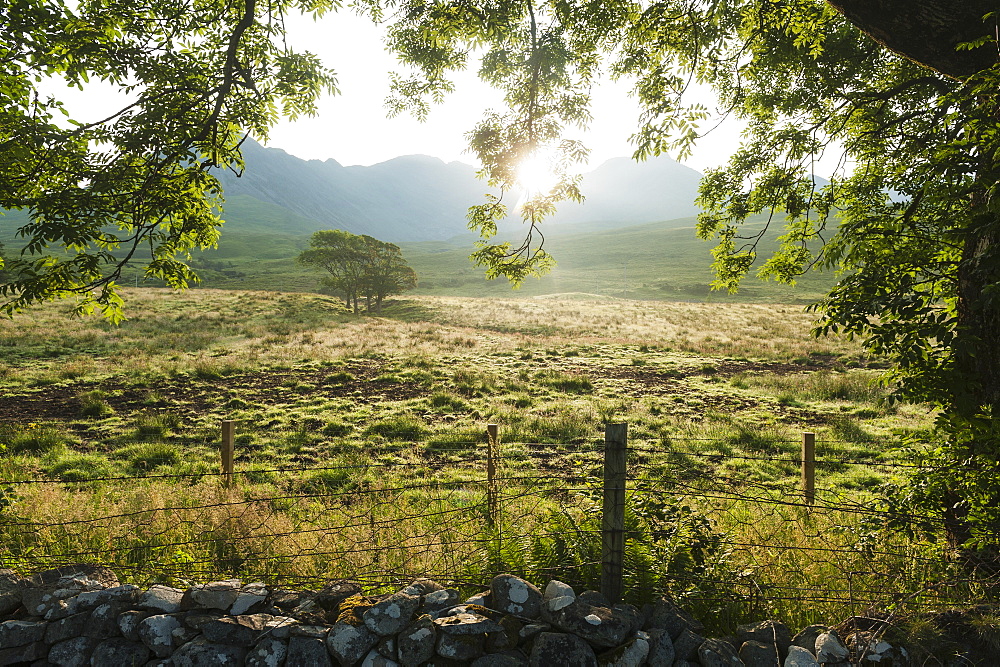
[(413, 198)]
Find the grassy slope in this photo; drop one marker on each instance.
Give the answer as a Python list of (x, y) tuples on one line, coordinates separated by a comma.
[(661, 260)]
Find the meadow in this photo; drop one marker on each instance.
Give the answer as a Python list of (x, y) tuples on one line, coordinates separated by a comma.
[(360, 440)]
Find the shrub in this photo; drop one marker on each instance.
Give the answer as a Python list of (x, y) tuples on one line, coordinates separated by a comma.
[(149, 455), (399, 427), (337, 429), (155, 425), (569, 383), (33, 439), (670, 548), (79, 467), (94, 404), (445, 402), (341, 377)]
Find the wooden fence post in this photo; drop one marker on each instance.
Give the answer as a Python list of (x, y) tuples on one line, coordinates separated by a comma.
[(492, 501), (613, 517), (228, 447), (809, 467)]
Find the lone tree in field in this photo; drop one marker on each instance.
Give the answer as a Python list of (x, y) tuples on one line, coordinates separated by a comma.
[(905, 88), (359, 266)]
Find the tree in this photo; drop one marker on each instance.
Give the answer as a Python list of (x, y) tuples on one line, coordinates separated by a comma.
[(198, 76), (359, 266), (385, 272), (341, 255), (905, 88)]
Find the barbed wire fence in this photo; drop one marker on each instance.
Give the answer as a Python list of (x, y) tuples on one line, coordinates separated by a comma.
[(633, 519)]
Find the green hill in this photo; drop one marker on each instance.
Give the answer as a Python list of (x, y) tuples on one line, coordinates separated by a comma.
[(662, 260)]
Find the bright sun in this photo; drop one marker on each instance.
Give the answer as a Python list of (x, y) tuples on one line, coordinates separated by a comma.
[(535, 174)]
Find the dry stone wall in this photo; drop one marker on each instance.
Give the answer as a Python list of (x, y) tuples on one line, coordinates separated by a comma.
[(82, 615)]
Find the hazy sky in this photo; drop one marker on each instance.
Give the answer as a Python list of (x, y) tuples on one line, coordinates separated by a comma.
[(352, 127)]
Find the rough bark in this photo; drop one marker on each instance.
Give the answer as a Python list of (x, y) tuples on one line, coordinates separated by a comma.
[(928, 31), (978, 309)]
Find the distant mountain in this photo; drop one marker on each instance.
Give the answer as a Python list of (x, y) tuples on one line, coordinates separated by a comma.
[(421, 198), (623, 192)]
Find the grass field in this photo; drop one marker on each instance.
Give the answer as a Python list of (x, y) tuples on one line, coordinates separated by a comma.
[(381, 420)]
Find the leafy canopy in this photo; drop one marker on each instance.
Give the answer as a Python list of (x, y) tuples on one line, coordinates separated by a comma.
[(359, 266), (197, 77)]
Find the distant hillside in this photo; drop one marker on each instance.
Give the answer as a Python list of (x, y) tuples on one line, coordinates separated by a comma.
[(623, 192), (420, 198), (661, 260)]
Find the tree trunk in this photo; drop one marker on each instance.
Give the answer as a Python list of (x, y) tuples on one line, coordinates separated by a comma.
[(977, 353), (928, 32)]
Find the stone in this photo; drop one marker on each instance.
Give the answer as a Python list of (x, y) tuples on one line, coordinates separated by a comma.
[(392, 614), (800, 657), (336, 591), (630, 614), (771, 633), (308, 611), (269, 652), (631, 654), (423, 587), (285, 601), (161, 598), (128, 623), (480, 599), (349, 643), (514, 595), (251, 598), (829, 648), (307, 652), (21, 633), (376, 659), (415, 644), (807, 637), (557, 589), (717, 653), (156, 632), (119, 652), (531, 630), (214, 595), (555, 604), (594, 598), (311, 631), (464, 647), (599, 626), (242, 630), (661, 649), (46, 593), (26, 653), (553, 649), (66, 628), (686, 645), (755, 653), (199, 652), (665, 615), (437, 600), (387, 648), (183, 635), (352, 610), (90, 600), (196, 618), (10, 592), (73, 652), (506, 638), (510, 659), (466, 623), (103, 621)]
